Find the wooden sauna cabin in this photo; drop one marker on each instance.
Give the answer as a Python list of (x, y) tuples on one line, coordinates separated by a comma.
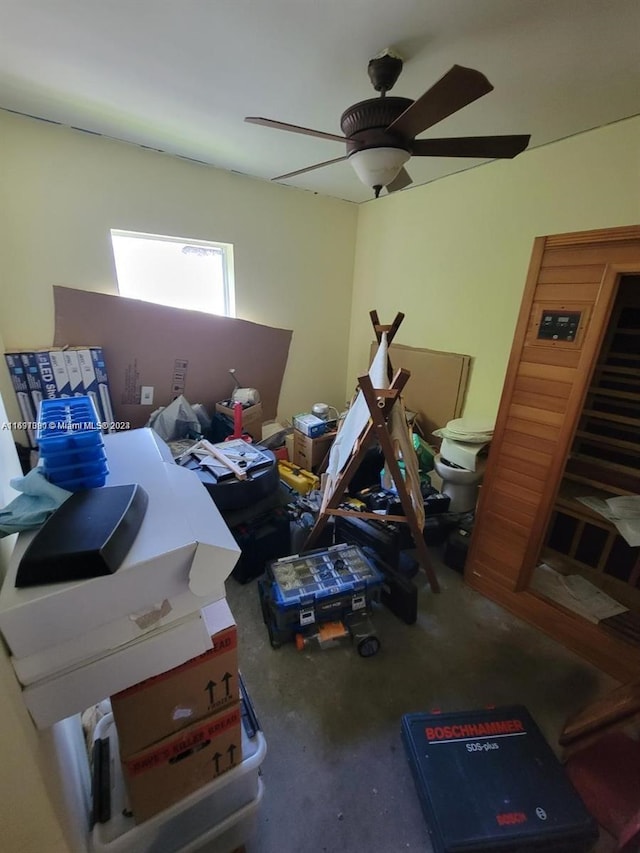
[(568, 427)]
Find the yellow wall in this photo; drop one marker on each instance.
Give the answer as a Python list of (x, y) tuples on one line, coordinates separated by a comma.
[(453, 255), (62, 191)]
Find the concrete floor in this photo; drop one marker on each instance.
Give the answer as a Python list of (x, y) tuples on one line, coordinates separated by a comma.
[(336, 776)]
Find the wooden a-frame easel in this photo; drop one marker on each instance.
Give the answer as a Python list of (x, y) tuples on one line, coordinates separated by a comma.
[(379, 401)]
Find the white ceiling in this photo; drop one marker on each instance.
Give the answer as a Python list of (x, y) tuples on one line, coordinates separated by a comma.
[(181, 75)]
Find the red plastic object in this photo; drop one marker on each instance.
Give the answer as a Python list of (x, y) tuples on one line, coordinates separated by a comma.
[(237, 425), (606, 774)]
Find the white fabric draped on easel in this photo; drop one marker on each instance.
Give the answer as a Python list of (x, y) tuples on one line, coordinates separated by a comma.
[(355, 423)]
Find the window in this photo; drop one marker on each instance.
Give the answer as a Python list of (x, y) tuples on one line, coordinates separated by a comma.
[(174, 271)]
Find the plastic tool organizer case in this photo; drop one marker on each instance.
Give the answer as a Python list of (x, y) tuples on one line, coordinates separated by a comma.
[(488, 781), (334, 584)]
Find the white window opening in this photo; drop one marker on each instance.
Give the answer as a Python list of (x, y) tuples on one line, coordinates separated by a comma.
[(182, 273)]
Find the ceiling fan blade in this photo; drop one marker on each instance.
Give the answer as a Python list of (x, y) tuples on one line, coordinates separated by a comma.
[(401, 180), (459, 86), (471, 146), (308, 169), (281, 125)]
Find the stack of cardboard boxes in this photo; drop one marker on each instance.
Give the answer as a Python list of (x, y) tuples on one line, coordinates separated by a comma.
[(56, 372), (180, 730)]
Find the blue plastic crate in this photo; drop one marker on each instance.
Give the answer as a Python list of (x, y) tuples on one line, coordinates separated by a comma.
[(83, 482), (63, 463), (336, 571), (71, 444), (66, 424), (96, 472)]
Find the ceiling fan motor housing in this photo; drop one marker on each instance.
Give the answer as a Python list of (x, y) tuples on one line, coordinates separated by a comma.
[(384, 71), (364, 124)]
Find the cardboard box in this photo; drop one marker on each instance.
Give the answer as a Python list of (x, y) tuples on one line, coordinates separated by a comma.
[(95, 381), (169, 770), (308, 452), (20, 384), (251, 418), (69, 691), (310, 425), (102, 380), (178, 562), (60, 373), (33, 379), (53, 374), (153, 709), (76, 385)]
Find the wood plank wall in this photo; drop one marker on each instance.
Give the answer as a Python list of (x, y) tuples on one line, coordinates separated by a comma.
[(543, 395)]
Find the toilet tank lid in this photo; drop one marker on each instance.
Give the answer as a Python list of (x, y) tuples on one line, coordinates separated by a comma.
[(471, 425), (468, 430)]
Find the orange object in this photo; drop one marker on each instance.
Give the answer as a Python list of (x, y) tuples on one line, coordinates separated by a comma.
[(327, 634)]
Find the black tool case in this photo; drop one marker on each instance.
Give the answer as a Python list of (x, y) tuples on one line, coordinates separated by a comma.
[(261, 539), (488, 781)]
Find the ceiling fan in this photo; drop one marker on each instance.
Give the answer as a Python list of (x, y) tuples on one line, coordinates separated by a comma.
[(380, 132)]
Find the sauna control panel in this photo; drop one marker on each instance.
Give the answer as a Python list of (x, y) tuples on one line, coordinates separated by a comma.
[(559, 325)]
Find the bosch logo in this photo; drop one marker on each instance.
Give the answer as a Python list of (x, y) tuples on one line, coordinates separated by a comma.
[(541, 813)]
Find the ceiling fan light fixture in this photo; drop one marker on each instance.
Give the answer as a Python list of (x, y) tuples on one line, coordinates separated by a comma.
[(377, 167)]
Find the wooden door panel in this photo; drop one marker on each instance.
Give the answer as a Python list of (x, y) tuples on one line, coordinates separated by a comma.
[(547, 372), (549, 355), (525, 465), (573, 288), (523, 427), (545, 390), (547, 387), (533, 484), (539, 401), (532, 413)]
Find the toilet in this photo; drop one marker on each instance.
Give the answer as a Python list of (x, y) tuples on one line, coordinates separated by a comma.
[(460, 484)]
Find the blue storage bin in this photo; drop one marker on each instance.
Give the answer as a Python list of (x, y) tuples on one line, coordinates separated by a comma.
[(81, 482), (71, 444), (95, 471), (61, 462)]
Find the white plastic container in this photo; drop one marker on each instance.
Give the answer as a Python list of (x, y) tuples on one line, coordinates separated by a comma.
[(231, 833), (224, 810)]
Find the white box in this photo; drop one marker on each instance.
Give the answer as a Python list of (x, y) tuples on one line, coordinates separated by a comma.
[(462, 453), (203, 815), (76, 385), (19, 380), (102, 642), (310, 425), (178, 562), (72, 690), (34, 382), (60, 373), (47, 375)]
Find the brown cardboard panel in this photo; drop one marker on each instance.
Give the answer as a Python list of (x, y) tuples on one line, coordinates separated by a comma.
[(437, 385), (166, 772), (159, 706), (173, 350)]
